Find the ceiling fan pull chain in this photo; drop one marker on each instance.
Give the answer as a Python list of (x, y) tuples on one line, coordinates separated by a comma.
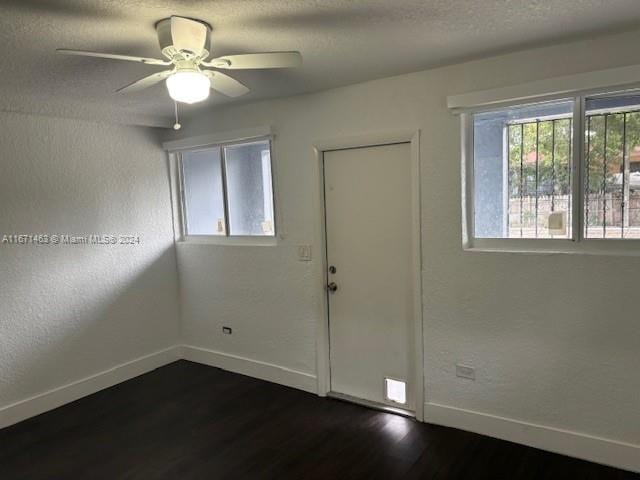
[(176, 126)]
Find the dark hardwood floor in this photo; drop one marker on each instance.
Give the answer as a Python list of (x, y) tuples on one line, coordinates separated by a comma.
[(189, 421)]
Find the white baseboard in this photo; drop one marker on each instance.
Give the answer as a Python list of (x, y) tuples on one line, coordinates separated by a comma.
[(592, 448), (574, 444), (252, 368), (57, 397)]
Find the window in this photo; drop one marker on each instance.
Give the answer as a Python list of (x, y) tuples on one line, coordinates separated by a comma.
[(203, 193), (526, 162), (612, 167), (249, 192), (522, 171), (227, 190)]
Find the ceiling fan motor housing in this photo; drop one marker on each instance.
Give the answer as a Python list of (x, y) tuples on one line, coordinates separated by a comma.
[(186, 37)]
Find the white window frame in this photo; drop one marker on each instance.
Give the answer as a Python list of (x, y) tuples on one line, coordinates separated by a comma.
[(612, 82), (176, 148)]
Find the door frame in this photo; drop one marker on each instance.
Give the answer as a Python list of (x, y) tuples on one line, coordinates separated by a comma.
[(323, 367)]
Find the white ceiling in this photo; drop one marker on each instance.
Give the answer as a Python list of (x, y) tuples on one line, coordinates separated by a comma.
[(342, 41)]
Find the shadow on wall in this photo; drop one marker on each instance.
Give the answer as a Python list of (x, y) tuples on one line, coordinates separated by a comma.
[(102, 306), (70, 311), (87, 309)]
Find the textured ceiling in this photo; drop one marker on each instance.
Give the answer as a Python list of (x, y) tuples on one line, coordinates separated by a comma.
[(342, 42)]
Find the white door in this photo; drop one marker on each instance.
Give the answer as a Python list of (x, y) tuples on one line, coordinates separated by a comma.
[(369, 258)]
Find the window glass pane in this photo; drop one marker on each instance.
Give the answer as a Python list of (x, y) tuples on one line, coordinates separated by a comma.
[(522, 171), (249, 191), (203, 196), (612, 167)]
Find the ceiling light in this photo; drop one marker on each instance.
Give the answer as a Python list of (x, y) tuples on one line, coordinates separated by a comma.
[(188, 86)]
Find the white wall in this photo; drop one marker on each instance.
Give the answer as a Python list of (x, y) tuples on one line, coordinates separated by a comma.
[(554, 338), (70, 311)]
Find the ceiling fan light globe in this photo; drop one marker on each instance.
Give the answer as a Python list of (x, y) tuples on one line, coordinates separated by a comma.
[(188, 87)]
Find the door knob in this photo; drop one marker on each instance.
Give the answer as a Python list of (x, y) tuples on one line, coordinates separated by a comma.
[(332, 287)]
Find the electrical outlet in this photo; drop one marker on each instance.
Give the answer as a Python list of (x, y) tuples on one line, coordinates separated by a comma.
[(465, 371), (227, 330)]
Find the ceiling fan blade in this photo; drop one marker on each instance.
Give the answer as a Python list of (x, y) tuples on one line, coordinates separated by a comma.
[(112, 56), (224, 84), (189, 35), (257, 60), (145, 82)]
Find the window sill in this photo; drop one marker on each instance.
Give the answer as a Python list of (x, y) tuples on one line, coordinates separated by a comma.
[(266, 241), (609, 247)]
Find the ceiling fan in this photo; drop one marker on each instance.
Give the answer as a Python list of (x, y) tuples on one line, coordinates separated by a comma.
[(185, 42)]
